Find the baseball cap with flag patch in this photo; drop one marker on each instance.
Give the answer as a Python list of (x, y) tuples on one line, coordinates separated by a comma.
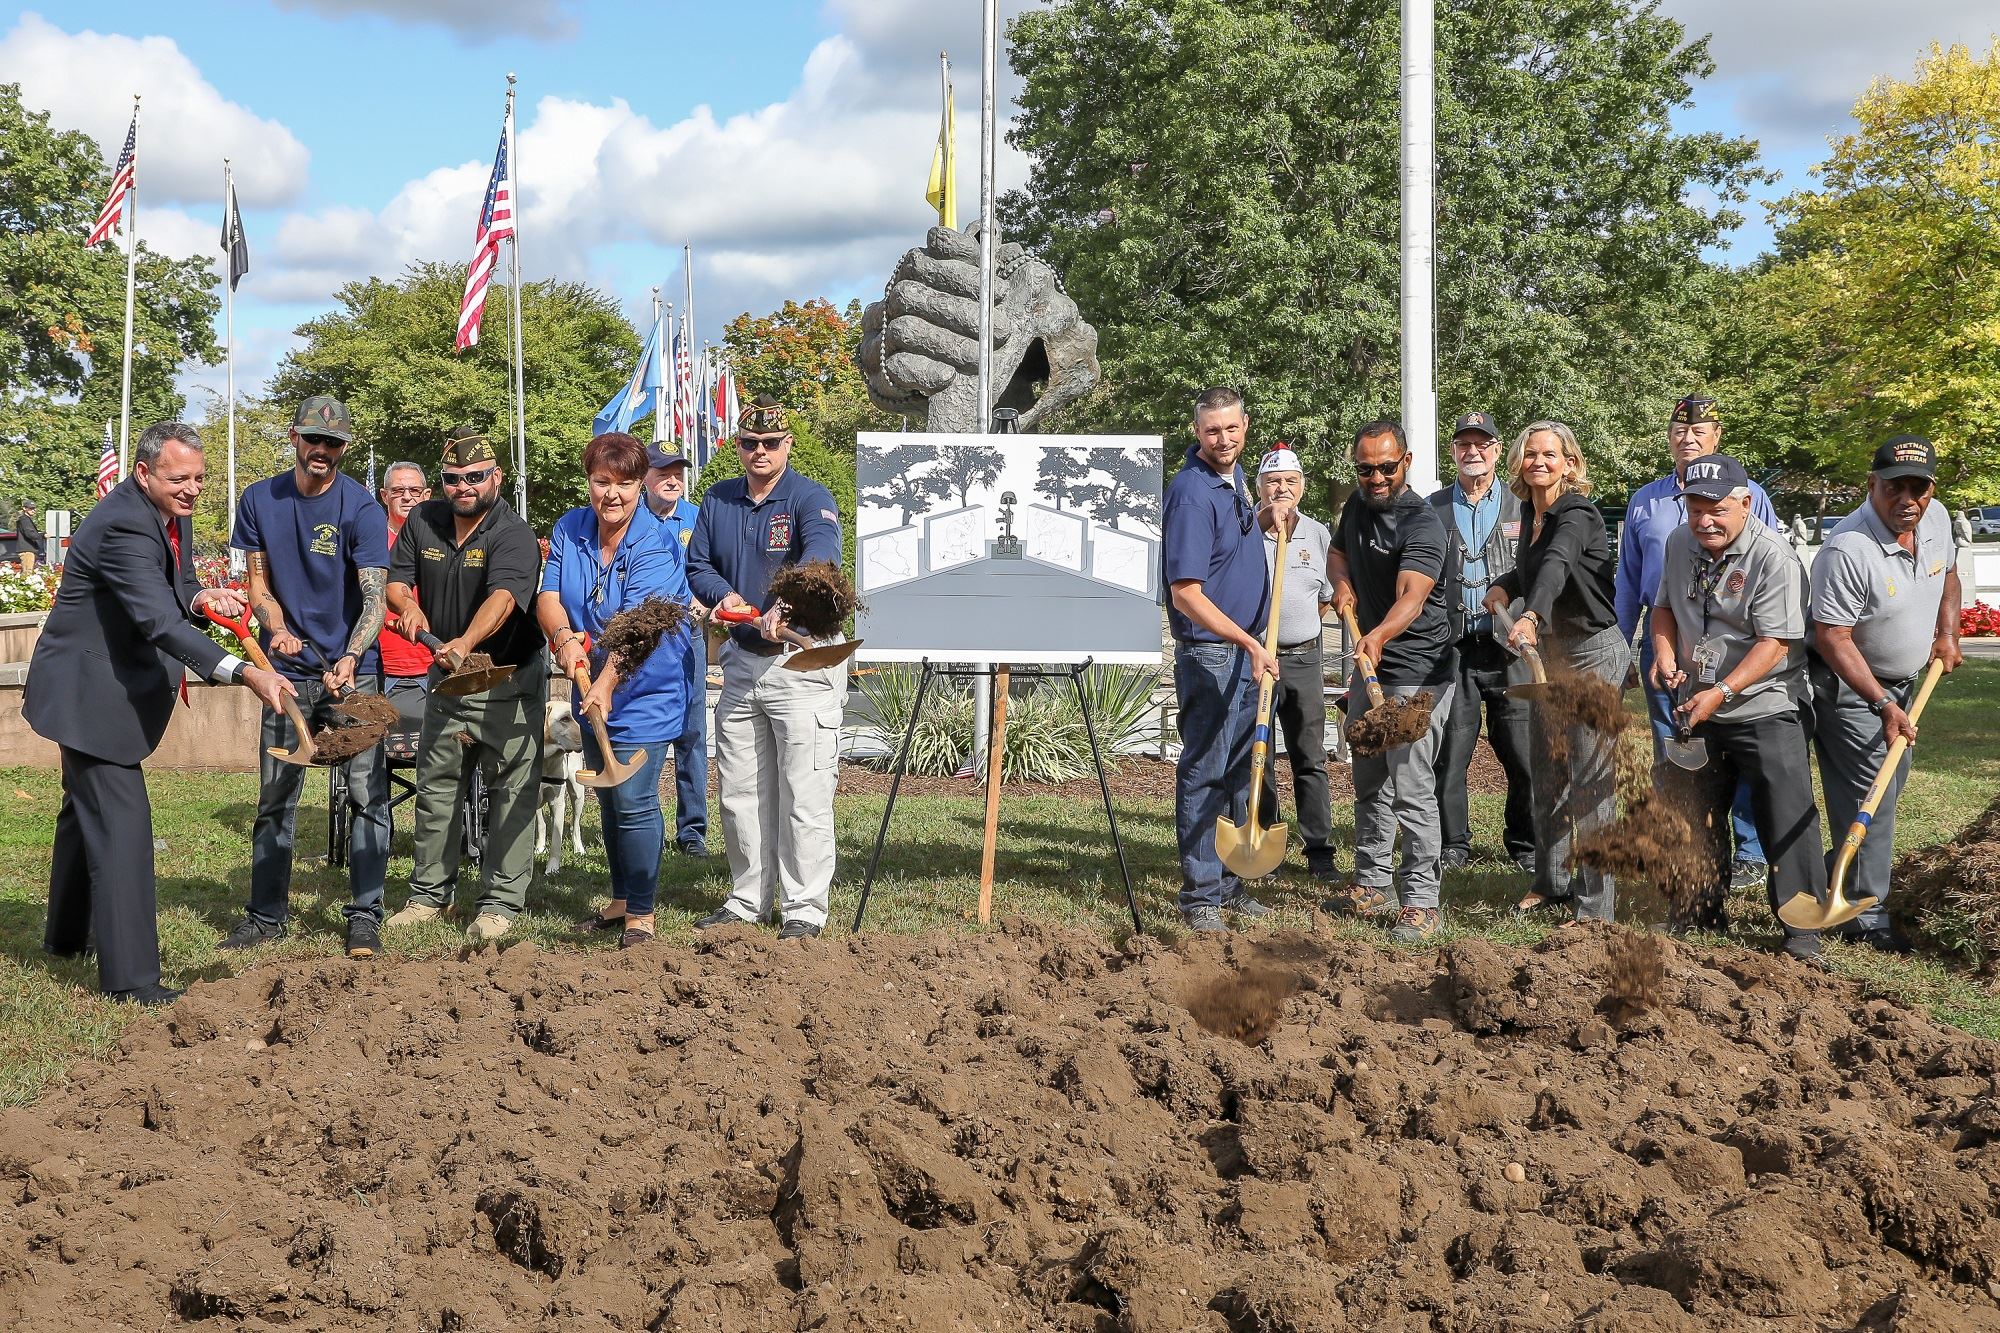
[(323, 414), (1905, 456)]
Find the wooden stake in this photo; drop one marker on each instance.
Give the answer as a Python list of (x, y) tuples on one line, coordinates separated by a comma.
[(996, 747)]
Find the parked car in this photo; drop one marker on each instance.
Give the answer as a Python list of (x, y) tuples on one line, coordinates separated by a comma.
[(1986, 521)]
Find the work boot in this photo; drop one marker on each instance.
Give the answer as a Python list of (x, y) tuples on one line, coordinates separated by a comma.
[(693, 850), (1204, 920), (721, 916), (414, 914), (1356, 900), (1321, 865), (250, 934), (798, 930), (364, 937), (487, 927), (1414, 925)]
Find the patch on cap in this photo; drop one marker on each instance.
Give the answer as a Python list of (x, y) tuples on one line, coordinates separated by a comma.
[(1280, 459), (1693, 410), (763, 419)]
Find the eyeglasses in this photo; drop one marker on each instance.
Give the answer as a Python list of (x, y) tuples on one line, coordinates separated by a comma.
[(1379, 469), (467, 478), (324, 441), (1476, 442), (404, 490), (764, 446)]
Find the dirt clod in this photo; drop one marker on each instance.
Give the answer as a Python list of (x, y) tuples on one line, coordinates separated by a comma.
[(337, 745), (1398, 720), (630, 637), (370, 708), (1246, 1005), (1638, 970), (817, 597)]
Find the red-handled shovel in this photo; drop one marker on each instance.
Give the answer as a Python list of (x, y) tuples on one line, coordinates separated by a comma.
[(303, 755)]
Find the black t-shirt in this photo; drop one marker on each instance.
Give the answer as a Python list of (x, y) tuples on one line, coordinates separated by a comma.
[(453, 581), (1379, 545)]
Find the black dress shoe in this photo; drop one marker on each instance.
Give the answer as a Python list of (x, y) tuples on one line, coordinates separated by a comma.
[(721, 916), (694, 850), (1454, 858), (249, 934), (152, 996), (81, 951), (798, 930)]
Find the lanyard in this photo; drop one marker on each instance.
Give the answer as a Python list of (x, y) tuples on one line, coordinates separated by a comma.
[(1708, 577)]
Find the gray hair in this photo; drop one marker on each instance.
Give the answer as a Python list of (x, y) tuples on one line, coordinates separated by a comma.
[(154, 438), (403, 465)]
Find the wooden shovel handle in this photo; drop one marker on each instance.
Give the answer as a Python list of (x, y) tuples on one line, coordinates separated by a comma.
[(1361, 662), (592, 715), (750, 616), (1850, 845), (255, 652)]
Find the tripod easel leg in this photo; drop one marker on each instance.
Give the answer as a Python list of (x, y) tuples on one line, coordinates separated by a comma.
[(1104, 785), (896, 781)]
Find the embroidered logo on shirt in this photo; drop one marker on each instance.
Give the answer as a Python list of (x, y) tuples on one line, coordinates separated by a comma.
[(326, 539), (687, 535), (1736, 582), (476, 558), (432, 553), (779, 537)]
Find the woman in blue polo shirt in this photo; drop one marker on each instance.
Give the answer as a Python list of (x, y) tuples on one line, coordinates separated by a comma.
[(607, 557)]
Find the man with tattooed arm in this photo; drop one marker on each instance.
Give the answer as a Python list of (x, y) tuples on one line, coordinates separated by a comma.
[(316, 544)]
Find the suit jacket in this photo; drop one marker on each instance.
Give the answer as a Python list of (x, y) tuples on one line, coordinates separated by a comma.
[(1500, 546), (109, 664)]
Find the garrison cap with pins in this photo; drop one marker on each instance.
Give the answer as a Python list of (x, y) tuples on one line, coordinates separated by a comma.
[(465, 446), (763, 419), (1695, 409)]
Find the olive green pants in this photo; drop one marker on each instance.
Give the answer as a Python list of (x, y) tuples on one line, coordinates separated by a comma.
[(503, 739)]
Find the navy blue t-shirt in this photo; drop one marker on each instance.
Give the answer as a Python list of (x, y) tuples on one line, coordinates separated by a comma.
[(313, 546), (1209, 533), (739, 546)]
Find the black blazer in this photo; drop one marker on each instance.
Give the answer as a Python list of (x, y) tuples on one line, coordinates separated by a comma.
[(108, 666)]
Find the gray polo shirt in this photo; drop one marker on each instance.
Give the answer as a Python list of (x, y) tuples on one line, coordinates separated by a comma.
[(1864, 578), (1306, 587), (1756, 589)]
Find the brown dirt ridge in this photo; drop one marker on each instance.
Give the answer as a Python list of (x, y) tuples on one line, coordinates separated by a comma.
[(1024, 1129)]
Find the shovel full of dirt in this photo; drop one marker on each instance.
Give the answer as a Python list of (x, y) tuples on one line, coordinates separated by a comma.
[(1503, 631), (810, 656), (302, 755), (1388, 723), (475, 673)]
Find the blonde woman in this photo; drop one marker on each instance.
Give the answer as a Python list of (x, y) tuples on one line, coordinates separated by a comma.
[(1561, 589)]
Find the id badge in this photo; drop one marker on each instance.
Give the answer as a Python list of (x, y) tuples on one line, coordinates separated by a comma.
[(1707, 661)]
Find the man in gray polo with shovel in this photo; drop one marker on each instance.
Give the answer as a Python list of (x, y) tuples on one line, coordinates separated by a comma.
[(1885, 601)]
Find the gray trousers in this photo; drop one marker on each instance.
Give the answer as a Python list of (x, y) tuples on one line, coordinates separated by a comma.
[(1580, 795), (1851, 750), (1399, 789), (777, 762)]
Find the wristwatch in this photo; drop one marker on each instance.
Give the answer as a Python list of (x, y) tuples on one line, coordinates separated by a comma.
[(1728, 695), (1876, 706)]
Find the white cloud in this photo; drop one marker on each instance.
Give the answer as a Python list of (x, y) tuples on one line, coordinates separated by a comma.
[(475, 20), (186, 127), (172, 231)]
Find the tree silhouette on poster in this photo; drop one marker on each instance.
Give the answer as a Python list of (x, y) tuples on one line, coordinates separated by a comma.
[(906, 480), (1063, 475), (960, 469), (1131, 489)]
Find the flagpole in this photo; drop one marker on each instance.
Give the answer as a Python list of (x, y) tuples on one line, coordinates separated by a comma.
[(660, 389), (1419, 347), (946, 135), (692, 446), (989, 41), (131, 269), (229, 328), (514, 268)]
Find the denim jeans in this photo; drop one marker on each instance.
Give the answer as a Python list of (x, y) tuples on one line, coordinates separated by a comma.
[(278, 804), (634, 825), (1218, 703), (691, 765), (1659, 706)]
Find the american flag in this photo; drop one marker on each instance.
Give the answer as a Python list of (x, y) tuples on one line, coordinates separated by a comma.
[(107, 465), (496, 223), (684, 426), (122, 180)]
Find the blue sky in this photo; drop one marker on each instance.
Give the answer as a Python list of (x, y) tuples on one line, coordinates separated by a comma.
[(786, 139)]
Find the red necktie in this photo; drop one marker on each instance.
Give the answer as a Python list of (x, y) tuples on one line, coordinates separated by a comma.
[(173, 580)]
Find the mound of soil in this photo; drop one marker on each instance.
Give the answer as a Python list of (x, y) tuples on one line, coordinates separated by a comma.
[(1948, 896), (1021, 1130), (337, 745), (1397, 720), (817, 597)]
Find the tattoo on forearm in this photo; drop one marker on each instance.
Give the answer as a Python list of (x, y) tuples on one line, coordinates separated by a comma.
[(369, 623)]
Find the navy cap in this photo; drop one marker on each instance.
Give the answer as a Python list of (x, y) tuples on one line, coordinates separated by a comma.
[(661, 453), (1905, 456), (1480, 421), (1714, 477)]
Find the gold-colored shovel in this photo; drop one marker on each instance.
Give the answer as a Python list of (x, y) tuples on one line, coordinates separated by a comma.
[(303, 754), (1252, 852)]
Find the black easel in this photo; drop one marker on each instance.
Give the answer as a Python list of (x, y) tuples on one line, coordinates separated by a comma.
[(1075, 674)]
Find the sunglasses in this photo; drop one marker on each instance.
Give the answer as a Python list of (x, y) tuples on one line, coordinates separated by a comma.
[(1379, 469), (765, 446), (324, 441), (467, 478)]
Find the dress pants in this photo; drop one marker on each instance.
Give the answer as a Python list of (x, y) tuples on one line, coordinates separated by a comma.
[(1482, 686), (101, 874), (1851, 750)]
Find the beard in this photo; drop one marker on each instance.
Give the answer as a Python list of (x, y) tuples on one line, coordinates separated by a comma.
[(476, 504), (1380, 504)]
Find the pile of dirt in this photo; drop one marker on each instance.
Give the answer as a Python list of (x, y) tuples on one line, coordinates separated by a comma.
[(817, 596), (1025, 1129), (1948, 897), (1397, 720), (630, 637), (1652, 842), (337, 745)]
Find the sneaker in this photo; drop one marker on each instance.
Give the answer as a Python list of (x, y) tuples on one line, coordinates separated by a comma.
[(798, 930), (695, 850), (414, 914), (1747, 874), (250, 934), (364, 937), (1321, 865), (1204, 920), (1242, 904), (1414, 925), (1356, 900), (487, 927), (1454, 858), (721, 916)]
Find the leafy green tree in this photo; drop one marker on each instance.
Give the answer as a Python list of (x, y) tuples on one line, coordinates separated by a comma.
[(62, 314), (1217, 182), (803, 355), (387, 353)]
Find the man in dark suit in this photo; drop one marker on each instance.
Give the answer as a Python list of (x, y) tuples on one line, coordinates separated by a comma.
[(102, 684)]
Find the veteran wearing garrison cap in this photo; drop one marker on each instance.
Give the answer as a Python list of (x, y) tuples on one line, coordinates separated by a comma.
[(473, 565)]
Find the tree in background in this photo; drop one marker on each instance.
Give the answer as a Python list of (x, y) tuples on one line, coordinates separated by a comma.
[(1880, 313), (263, 449), (963, 467), (387, 352), (62, 315), (803, 355), (1217, 182)]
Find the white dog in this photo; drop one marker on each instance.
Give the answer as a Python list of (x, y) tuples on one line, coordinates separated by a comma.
[(562, 758)]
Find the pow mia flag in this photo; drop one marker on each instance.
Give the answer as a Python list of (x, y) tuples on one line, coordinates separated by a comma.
[(233, 244)]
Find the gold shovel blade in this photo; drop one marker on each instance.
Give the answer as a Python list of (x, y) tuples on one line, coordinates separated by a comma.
[(1802, 911), (1250, 853), (824, 655), (462, 683), (613, 773)]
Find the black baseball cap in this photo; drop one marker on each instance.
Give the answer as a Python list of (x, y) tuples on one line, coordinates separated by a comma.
[(1905, 456), (661, 453), (1480, 421), (1714, 477)]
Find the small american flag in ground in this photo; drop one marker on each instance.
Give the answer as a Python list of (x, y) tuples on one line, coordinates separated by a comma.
[(121, 185), (496, 223), (107, 465)]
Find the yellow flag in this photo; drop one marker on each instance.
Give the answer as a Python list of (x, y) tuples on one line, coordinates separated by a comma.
[(941, 192)]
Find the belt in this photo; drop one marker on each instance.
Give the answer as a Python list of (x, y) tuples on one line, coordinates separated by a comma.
[(1298, 647)]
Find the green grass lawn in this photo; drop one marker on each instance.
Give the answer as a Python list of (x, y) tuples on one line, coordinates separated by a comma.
[(1055, 862)]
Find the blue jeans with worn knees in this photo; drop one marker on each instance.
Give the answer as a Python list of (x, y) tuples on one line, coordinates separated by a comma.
[(1659, 707), (691, 766), (1218, 703), (634, 824)]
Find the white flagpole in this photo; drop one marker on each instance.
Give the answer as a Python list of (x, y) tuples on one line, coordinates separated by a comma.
[(692, 426), (514, 268), (659, 390), (989, 42), (131, 262), (1419, 251), (229, 327)]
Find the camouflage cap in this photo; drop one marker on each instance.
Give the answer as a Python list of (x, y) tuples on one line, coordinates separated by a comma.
[(323, 414), (466, 447), (1693, 410), (763, 419)]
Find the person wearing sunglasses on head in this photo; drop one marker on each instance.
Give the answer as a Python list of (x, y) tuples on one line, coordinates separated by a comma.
[(605, 557), (465, 568), (315, 543), (777, 731)]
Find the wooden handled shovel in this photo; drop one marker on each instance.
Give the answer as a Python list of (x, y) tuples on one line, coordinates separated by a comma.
[(1252, 852), (1361, 662), (1802, 911), (303, 755), (1503, 634), (463, 679), (613, 773), (810, 656)]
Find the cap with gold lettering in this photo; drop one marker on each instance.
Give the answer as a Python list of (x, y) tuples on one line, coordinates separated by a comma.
[(1693, 410), (466, 447)]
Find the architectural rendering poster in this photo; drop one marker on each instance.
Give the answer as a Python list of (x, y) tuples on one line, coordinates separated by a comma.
[(1008, 548)]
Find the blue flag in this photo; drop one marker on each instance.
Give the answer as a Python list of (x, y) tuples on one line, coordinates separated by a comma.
[(637, 398)]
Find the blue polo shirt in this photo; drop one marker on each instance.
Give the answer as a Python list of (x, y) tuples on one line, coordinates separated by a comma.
[(649, 707), (1209, 533), (680, 523), (1654, 514), (738, 546)]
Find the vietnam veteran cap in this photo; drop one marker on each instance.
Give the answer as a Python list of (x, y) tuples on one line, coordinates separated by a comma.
[(1479, 421), (323, 414), (1715, 477), (465, 447), (764, 419), (1693, 410), (1905, 456)]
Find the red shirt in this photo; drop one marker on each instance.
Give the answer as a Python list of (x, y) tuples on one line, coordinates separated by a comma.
[(400, 657)]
